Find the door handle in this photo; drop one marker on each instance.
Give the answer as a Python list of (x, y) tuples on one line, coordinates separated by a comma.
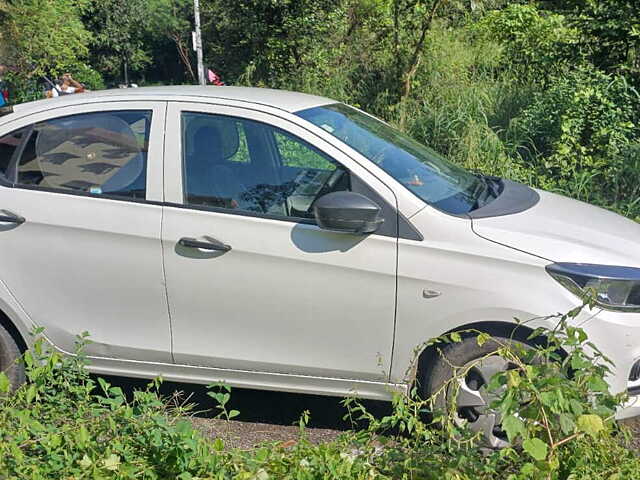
[(210, 244), (9, 217)]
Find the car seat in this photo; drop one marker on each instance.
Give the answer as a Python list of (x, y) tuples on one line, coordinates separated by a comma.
[(207, 176)]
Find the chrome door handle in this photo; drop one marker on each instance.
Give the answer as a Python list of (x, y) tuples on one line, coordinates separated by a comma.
[(210, 244), (9, 217)]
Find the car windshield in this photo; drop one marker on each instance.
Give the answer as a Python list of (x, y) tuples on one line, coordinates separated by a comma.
[(423, 171)]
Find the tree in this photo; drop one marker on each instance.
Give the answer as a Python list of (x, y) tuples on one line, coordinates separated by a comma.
[(119, 28), (45, 36), (609, 32), (270, 36), (172, 20)]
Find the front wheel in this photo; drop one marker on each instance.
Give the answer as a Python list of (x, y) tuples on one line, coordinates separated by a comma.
[(469, 395)]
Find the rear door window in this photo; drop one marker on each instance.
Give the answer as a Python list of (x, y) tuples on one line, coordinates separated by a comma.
[(102, 153)]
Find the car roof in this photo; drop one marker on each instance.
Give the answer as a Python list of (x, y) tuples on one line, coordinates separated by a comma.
[(281, 99)]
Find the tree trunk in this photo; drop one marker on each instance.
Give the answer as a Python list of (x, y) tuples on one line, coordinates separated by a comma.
[(416, 57), (184, 55)]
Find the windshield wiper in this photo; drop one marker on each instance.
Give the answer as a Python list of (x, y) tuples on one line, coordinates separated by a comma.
[(493, 184), (492, 190)]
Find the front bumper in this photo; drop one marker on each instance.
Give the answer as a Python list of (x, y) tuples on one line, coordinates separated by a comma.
[(617, 335)]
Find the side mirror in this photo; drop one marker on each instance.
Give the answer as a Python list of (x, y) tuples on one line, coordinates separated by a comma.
[(347, 212)]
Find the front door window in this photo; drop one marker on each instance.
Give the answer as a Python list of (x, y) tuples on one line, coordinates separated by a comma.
[(245, 166)]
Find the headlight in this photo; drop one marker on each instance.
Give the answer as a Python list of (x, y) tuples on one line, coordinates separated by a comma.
[(615, 288)]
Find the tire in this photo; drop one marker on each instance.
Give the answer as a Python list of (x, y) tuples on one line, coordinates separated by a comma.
[(9, 354), (470, 395)]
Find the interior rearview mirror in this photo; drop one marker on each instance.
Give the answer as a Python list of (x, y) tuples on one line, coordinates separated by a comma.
[(347, 212)]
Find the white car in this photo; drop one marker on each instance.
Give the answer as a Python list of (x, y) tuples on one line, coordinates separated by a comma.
[(283, 241)]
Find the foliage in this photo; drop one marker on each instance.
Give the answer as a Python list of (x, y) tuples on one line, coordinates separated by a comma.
[(118, 28), (270, 38), (64, 425), (557, 411), (535, 42), (45, 36), (609, 33), (171, 19), (583, 128)]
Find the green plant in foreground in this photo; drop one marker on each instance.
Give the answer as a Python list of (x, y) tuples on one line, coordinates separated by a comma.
[(222, 397), (557, 411)]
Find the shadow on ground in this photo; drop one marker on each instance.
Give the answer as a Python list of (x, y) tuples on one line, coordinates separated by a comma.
[(258, 406)]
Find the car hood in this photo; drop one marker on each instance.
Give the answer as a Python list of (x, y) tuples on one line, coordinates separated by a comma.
[(560, 229)]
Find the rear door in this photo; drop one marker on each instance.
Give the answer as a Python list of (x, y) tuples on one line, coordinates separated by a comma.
[(80, 243), (286, 297)]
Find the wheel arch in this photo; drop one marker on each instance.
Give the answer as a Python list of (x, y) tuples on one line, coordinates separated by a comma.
[(10, 326), (14, 319), (518, 331)]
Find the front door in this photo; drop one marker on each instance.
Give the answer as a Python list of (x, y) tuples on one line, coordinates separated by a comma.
[(253, 284), (87, 256)]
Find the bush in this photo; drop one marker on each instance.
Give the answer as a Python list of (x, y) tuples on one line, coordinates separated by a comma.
[(557, 412), (534, 41), (581, 137)]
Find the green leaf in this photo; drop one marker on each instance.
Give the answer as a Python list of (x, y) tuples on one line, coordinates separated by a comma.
[(579, 363), (528, 470), (183, 427), (5, 384), (567, 424), (233, 413), (513, 427), (31, 393), (112, 462), (536, 448), (513, 378), (590, 424), (85, 462), (260, 475), (483, 338), (218, 445), (83, 435), (576, 407), (549, 399), (597, 384), (455, 336)]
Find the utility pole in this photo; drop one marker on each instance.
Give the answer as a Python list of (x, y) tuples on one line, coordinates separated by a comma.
[(196, 11)]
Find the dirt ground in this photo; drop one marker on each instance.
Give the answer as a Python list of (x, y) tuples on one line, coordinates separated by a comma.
[(246, 435)]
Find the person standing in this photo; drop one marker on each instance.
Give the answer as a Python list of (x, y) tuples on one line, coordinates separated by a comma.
[(66, 86)]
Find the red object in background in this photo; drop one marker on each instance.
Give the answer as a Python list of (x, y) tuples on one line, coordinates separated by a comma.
[(214, 78), (5, 94)]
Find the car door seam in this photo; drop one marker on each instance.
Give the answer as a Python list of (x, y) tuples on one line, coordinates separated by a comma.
[(162, 243)]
